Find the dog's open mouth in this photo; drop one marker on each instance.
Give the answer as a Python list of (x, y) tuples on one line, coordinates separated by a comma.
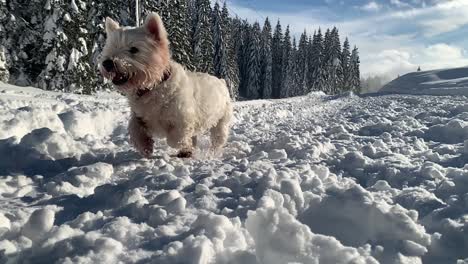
[(120, 78)]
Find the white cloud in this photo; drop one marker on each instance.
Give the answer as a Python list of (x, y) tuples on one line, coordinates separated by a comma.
[(392, 62), (399, 3), (443, 17), (442, 55), (371, 6)]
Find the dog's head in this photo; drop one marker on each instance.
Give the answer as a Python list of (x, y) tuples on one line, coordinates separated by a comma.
[(135, 58)]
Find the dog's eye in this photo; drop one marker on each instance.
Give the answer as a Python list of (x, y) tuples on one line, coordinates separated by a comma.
[(133, 50)]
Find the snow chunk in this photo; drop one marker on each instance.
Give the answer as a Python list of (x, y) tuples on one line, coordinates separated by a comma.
[(22, 120), (277, 154), (99, 123), (362, 219), (51, 144), (280, 238), (40, 222), (455, 131), (82, 180), (5, 224)]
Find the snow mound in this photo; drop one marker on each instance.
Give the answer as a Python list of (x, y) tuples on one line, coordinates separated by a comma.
[(280, 238), (436, 82)]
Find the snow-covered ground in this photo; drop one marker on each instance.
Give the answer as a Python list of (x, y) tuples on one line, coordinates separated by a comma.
[(314, 179), (437, 82)]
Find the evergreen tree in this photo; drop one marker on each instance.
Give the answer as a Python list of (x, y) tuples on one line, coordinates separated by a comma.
[(332, 63), (244, 58), (277, 61), (79, 76), (4, 60), (21, 38), (202, 43), (286, 47), (253, 85), (4, 73), (355, 72), (345, 64), (220, 56), (176, 21), (67, 46), (266, 61), (292, 80), (337, 78), (302, 61), (228, 28), (318, 66), (309, 82), (191, 14)]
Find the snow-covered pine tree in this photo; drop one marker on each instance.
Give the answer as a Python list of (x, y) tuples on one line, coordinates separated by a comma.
[(309, 82), (243, 58), (277, 61), (355, 71), (4, 73), (292, 77), (337, 64), (98, 11), (220, 59), (318, 66), (230, 40), (286, 47), (302, 67), (191, 13), (80, 76), (325, 64), (202, 42), (345, 64), (66, 43), (21, 38), (266, 61), (177, 22), (253, 85), (158, 6), (4, 63), (332, 62)]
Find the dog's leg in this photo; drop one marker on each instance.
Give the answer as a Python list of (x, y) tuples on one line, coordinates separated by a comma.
[(181, 138), (139, 136), (194, 141), (220, 132)]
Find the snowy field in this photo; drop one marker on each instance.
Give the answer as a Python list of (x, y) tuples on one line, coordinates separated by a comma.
[(314, 179)]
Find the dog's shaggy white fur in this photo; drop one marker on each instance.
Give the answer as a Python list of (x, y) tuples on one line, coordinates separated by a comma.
[(166, 100)]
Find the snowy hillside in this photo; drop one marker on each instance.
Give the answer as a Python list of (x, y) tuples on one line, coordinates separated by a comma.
[(314, 179), (437, 82)]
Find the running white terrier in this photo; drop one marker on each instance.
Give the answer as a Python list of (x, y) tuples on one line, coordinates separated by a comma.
[(166, 100)]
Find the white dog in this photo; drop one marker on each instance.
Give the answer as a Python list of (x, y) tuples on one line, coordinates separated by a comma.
[(166, 100)]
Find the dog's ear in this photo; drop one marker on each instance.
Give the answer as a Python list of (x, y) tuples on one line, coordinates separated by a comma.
[(154, 26), (111, 25)]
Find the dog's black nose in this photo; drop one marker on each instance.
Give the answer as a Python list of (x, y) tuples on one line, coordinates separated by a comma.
[(108, 65)]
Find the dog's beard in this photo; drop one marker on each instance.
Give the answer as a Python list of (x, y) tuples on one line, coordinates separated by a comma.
[(143, 70)]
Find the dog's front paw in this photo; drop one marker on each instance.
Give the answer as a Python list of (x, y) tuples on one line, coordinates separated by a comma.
[(184, 154), (145, 147)]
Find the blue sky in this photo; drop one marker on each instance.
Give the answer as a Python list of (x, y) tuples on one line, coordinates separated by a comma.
[(394, 36)]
